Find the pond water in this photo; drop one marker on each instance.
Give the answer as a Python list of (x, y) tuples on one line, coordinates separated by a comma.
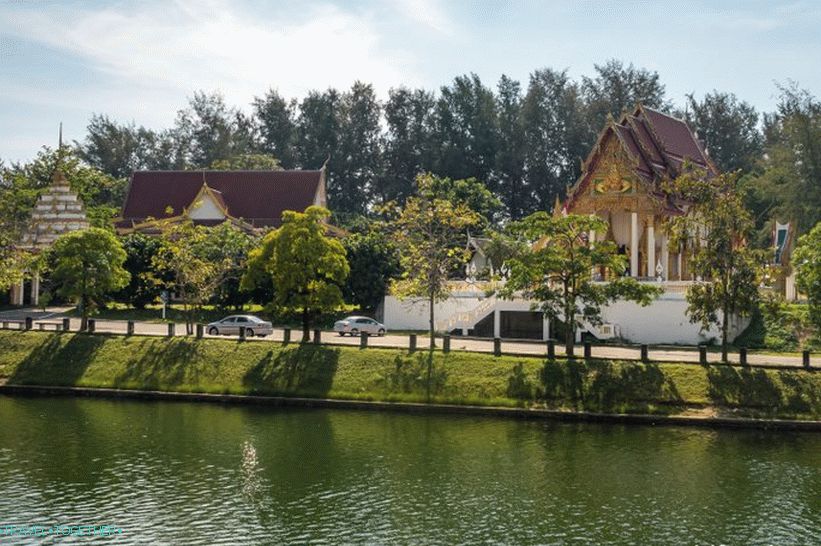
[(184, 473)]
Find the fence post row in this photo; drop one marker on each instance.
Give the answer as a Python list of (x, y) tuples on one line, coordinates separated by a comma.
[(363, 340), (286, 336), (446, 343), (742, 356), (702, 355), (805, 359), (412, 343), (91, 325), (317, 336), (588, 350), (497, 346), (551, 349), (242, 333), (644, 356), (200, 330)]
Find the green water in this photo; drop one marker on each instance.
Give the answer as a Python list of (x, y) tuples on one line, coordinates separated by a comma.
[(180, 473)]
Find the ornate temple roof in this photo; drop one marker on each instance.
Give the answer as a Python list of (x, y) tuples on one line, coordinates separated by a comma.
[(257, 198), (58, 211), (657, 144)]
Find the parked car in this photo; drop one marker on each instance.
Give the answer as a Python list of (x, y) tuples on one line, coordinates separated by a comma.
[(254, 326), (355, 325)]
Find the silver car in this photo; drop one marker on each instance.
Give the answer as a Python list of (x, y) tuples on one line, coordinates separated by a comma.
[(355, 325), (254, 326)]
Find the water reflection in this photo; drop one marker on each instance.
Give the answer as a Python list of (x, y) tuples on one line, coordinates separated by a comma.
[(200, 474)]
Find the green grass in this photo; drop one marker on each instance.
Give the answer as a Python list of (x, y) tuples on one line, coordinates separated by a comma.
[(225, 366)]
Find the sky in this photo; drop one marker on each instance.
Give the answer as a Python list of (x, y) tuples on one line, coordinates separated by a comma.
[(64, 60)]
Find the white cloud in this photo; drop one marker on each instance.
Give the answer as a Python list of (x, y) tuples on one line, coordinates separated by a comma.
[(174, 48), (428, 13)]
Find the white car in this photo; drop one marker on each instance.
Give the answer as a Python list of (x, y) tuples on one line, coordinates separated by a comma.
[(355, 325), (254, 326)]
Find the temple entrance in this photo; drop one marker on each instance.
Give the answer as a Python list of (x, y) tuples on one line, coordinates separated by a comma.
[(521, 324)]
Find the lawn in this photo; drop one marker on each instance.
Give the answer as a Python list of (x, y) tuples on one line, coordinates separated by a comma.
[(226, 366)]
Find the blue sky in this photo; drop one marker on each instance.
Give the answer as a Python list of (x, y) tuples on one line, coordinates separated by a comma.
[(63, 61)]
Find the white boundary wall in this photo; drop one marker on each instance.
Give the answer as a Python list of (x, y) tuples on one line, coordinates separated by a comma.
[(662, 322)]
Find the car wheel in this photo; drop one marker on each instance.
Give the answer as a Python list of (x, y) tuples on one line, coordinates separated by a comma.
[(213, 331), (341, 334), (354, 332), (381, 332), (249, 332)]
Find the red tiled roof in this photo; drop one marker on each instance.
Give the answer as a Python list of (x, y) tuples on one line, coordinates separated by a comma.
[(660, 144), (258, 197)]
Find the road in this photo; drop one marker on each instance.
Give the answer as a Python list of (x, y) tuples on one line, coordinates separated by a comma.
[(514, 347)]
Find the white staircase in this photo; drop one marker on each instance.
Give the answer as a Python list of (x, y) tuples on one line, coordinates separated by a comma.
[(467, 319)]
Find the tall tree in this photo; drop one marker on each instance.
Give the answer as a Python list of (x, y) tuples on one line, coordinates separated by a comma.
[(119, 149), (427, 234), (210, 130), (275, 118), (466, 129), (306, 267), (807, 263), (145, 284), (555, 136), (408, 142), (508, 179), (717, 228), (359, 162), (617, 88), (374, 261), (789, 189), (553, 268), (87, 265), (729, 129)]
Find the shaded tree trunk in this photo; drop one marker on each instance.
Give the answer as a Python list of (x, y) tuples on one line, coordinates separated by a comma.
[(432, 328), (306, 326)]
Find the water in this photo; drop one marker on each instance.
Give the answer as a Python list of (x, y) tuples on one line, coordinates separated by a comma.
[(180, 473)]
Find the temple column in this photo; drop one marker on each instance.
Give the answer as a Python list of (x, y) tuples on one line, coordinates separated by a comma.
[(665, 259), (651, 248), (591, 240), (545, 327), (35, 288), (20, 290), (678, 257), (634, 244)]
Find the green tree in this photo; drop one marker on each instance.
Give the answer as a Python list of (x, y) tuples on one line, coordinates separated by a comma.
[(508, 178), (145, 283), (465, 129), (409, 143), (307, 267), (717, 228), (360, 154), (247, 162), (277, 127), (87, 266), (617, 88), (227, 246), (553, 267), (209, 130), (555, 138), (807, 263), (187, 267), (729, 129), (374, 261), (789, 188), (428, 234)]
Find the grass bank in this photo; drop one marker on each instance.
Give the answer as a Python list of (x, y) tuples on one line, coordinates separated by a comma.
[(226, 366)]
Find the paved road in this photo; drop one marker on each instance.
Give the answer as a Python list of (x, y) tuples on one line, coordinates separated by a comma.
[(457, 343)]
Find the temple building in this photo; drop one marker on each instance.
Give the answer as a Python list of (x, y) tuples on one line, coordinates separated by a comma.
[(251, 200), (623, 180), (58, 211)]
